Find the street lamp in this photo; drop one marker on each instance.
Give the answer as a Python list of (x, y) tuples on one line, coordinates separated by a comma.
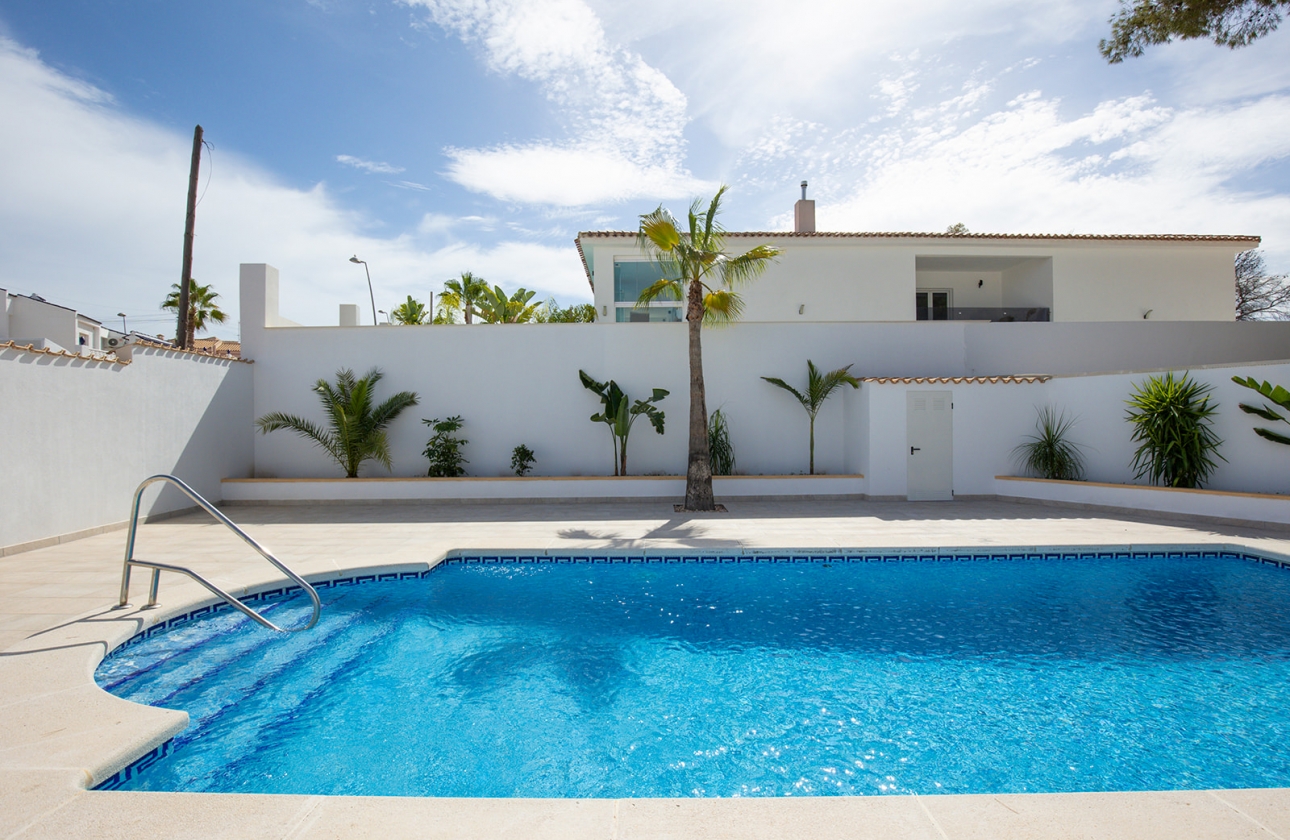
[(121, 315), (355, 259), (386, 314)]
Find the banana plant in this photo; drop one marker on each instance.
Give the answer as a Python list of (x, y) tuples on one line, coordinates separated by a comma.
[(496, 308), (1272, 393), (620, 413)]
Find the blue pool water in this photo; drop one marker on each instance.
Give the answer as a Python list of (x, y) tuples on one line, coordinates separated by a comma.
[(753, 679)]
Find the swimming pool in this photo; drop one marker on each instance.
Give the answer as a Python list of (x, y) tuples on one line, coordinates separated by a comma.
[(767, 675)]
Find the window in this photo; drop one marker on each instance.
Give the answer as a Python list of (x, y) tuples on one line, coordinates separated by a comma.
[(932, 305), (631, 277)]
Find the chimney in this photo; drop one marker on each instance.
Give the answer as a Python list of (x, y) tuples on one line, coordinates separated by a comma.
[(804, 214)]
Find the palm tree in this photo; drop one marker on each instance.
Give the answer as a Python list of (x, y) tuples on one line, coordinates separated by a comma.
[(697, 270), (818, 389), (463, 294), (496, 308), (411, 311), (357, 432), (201, 307)]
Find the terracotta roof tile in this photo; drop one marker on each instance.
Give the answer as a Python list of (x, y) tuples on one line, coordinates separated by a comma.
[(45, 351), (956, 380), (1104, 237)]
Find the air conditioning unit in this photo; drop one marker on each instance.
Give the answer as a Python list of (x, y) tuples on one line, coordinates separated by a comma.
[(114, 342)]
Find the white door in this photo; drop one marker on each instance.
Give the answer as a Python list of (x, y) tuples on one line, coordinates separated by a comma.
[(929, 434)]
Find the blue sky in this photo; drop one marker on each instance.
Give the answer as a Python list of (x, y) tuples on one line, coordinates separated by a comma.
[(436, 136)]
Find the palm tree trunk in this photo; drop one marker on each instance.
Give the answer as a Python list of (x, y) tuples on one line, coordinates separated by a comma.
[(698, 474), (812, 444), (622, 454)]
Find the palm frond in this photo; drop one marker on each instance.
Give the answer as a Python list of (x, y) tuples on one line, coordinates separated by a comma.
[(392, 408), (821, 386), (276, 420), (664, 289), (748, 266), (779, 383), (658, 231), (722, 307)]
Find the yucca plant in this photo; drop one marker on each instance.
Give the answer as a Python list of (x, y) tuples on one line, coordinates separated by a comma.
[(1173, 425), (1050, 453), (720, 449), (357, 428), (819, 387), (1274, 394)]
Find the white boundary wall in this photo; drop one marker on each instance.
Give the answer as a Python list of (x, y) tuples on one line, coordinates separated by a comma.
[(80, 435), (518, 384)]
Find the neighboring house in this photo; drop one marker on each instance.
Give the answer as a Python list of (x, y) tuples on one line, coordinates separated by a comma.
[(218, 347), (30, 319), (824, 276)]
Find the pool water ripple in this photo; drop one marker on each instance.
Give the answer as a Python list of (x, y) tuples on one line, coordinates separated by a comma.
[(757, 679)]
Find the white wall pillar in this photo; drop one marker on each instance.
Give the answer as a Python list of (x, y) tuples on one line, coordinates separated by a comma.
[(349, 315)]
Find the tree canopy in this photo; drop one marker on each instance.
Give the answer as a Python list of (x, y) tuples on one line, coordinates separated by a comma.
[(1259, 296), (1231, 23)]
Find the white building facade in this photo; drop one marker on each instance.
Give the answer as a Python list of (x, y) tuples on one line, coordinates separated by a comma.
[(867, 277)]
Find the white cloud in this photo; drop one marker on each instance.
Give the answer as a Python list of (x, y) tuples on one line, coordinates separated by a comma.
[(624, 119), (741, 61), (1127, 166), (369, 166), (92, 216), (566, 176)]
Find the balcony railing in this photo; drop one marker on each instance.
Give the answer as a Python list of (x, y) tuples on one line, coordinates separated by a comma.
[(983, 313)]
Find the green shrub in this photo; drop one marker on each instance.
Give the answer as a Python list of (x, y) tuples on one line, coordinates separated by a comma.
[(522, 459), (720, 449), (1172, 424), (444, 450), (1049, 454)]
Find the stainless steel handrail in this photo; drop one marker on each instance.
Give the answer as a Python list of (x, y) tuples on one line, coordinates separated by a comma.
[(157, 568)]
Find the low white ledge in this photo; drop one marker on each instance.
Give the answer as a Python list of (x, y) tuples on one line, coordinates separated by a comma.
[(1219, 504), (532, 487)]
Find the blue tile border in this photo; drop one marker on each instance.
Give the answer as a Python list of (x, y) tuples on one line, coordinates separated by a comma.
[(134, 768)]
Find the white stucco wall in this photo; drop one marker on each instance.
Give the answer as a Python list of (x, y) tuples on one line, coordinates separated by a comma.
[(31, 319), (518, 384), (873, 279), (80, 435), (1183, 281)]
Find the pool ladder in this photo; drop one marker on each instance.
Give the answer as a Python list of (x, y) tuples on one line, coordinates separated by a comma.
[(158, 568)]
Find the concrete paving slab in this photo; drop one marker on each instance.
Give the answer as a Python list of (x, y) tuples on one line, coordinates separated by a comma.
[(1165, 815), (459, 819), (843, 818)]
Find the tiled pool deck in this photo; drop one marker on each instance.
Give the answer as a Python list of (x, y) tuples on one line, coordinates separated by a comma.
[(59, 733)]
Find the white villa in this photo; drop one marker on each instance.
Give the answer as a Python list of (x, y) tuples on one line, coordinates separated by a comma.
[(30, 319), (825, 276)]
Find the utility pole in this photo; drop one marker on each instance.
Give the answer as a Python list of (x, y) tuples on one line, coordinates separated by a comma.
[(181, 331)]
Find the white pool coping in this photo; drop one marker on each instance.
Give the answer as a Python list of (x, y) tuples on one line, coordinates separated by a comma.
[(60, 733)]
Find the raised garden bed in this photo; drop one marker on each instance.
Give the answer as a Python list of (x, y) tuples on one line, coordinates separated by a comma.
[(1217, 504), (534, 487)]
